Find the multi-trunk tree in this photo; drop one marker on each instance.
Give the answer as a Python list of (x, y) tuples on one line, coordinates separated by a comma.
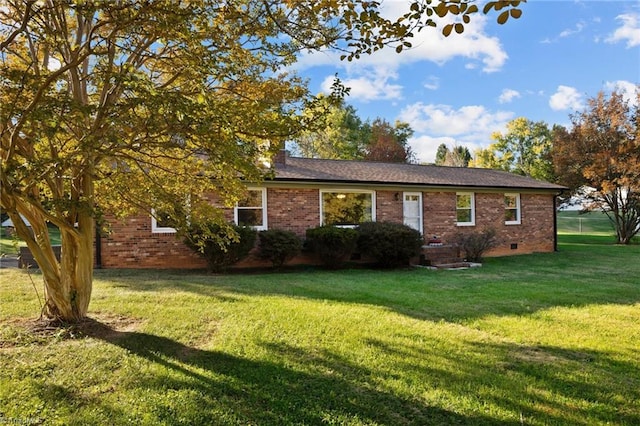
[(116, 106), (599, 158)]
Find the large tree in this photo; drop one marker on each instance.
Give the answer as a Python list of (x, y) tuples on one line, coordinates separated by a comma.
[(132, 104), (525, 149), (601, 151), (339, 134), (389, 143)]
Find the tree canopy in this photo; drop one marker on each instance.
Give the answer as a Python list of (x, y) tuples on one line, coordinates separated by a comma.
[(124, 105), (525, 149), (601, 151), (342, 134)]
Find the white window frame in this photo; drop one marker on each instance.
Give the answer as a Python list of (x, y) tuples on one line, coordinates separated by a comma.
[(518, 208), (155, 229), (473, 209), (352, 191), (419, 194), (264, 225)]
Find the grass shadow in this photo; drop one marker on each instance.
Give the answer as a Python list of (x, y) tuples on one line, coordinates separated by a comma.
[(245, 391)]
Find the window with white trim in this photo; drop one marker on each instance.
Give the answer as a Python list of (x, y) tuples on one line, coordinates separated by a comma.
[(251, 210), (465, 209), (347, 207), (512, 213), (161, 223)]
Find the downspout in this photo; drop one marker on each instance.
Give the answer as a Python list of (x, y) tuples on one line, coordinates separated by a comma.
[(555, 221), (98, 240)]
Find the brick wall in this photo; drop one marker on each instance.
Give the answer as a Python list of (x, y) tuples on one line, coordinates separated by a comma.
[(389, 206), (535, 233), (293, 209), (131, 243)]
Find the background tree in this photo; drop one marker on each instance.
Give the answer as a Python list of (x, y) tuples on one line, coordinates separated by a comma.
[(339, 132), (388, 143), (441, 154), (602, 151), (128, 105), (525, 149), (458, 156)]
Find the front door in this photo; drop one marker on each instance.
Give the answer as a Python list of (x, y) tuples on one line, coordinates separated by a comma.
[(412, 210)]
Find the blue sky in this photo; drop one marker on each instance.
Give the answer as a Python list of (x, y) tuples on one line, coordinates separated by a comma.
[(459, 90)]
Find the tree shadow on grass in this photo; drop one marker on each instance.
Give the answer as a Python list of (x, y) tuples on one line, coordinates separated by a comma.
[(543, 384), (212, 387), (492, 383)]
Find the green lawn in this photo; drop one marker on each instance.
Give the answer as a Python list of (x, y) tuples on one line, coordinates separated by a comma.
[(573, 222), (9, 244), (541, 339)]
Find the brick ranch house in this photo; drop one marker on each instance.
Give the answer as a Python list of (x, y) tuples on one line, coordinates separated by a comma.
[(305, 193)]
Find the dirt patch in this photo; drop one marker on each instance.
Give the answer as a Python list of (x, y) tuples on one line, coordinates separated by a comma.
[(27, 331)]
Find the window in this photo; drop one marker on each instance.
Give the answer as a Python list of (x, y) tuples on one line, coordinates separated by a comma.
[(252, 209), (347, 208), (512, 209), (465, 209), (161, 223)]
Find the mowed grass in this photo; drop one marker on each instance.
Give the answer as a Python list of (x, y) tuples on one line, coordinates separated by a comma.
[(589, 223), (540, 339)]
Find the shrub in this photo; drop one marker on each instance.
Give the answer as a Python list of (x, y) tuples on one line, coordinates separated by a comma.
[(279, 246), (221, 245), (475, 244), (390, 244), (332, 245)]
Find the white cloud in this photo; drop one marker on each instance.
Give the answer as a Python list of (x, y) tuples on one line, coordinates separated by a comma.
[(629, 31), (372, 76), (566, 98), (425, 147), (432, 83), (571, 31), (508, 95), (366, 88), (469, 126), (54, 64), (626, 88)]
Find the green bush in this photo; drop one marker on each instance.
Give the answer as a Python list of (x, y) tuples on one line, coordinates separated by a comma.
[(390, 244), (332, 245), (279, 246), (221, 245), (476, 243)]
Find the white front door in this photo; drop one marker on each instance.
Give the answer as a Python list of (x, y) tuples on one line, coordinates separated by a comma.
[(412, 210)]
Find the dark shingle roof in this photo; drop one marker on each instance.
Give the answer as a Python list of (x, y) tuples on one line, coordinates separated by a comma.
[(345, 171)]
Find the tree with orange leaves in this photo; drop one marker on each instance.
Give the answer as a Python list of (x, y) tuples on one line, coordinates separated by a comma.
[(602, 151)]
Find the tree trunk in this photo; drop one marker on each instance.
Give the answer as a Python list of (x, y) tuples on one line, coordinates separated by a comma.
[(68, 292)]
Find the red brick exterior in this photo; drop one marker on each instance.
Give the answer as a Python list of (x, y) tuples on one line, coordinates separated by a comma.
[(131, 243)]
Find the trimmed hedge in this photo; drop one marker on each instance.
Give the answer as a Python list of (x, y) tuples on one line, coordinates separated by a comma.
[(279, 246), (390, 244), (332, 245)]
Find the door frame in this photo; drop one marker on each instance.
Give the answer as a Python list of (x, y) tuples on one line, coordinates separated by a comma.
[(421, 214)]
